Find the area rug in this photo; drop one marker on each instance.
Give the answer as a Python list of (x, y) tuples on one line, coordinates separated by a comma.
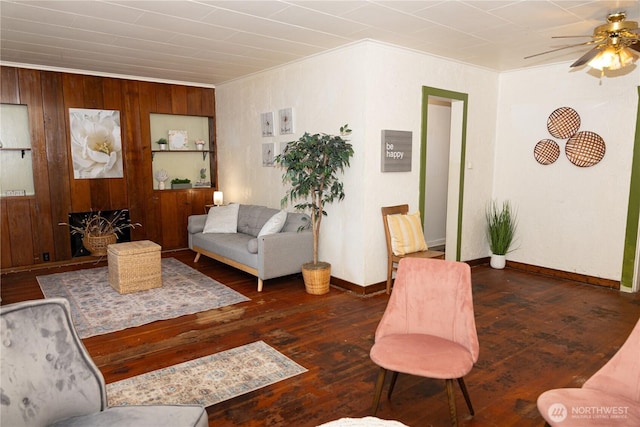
[(97, 308), (208, 380)]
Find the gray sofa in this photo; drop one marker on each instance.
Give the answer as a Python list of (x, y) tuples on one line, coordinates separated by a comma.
[(276, 255), (49, 379)]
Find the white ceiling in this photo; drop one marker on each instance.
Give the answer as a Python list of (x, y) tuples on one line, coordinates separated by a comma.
[(211, 42)]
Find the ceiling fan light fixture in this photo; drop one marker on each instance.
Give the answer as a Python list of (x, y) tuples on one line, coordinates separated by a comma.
[(613, 58)]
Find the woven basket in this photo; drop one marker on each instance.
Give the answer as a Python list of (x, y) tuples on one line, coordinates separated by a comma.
[(97, 245), (316, 277)]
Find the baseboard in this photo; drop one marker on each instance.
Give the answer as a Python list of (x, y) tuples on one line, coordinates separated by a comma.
[(560, 274), (544, 271), (357, 289)]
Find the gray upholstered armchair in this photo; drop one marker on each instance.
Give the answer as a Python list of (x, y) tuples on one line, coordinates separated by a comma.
[(49, 379)]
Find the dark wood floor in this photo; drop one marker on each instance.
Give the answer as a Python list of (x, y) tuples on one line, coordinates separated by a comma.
[(535, 333)]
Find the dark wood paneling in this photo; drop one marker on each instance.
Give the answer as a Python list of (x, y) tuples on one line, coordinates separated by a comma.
[(208, 102), (163, 103), (9, 88), (49, 96), (31, 95), (80, 189), (5, 243), (92, 92), (179, 100), (113, 100), (175, 208), (149, 94), (20, 230), (58, 161), (194, 102)]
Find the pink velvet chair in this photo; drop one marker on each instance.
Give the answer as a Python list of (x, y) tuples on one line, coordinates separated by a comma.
[(610, 397), (428, 328)]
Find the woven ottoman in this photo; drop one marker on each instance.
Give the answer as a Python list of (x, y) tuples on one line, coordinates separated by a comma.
[(134, 266)]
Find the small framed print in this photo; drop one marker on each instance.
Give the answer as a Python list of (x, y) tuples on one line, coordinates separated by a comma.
[(267, 154), (178, 140), (267, 124), (286, 121)]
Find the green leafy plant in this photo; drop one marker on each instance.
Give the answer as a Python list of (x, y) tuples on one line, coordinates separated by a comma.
[(180, 181), (162, 141), (501, 226), (311, 167)]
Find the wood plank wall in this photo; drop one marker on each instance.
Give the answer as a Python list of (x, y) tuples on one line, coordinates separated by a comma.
[(30, 225)]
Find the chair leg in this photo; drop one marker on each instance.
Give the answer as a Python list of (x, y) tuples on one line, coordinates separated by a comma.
[(394, 377), (463, 387), (452, 403), (389, 276), (376, 398)]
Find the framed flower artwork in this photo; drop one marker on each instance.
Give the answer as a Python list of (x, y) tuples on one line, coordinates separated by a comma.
[(96, 143)]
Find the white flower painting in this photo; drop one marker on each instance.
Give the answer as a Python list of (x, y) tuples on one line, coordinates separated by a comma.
[(96, 143)]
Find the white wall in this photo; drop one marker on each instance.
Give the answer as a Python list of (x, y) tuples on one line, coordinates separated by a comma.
[(371, 86), (437, 175), (570, 218)]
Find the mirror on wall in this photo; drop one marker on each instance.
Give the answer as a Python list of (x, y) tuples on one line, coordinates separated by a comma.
[(16, 170)]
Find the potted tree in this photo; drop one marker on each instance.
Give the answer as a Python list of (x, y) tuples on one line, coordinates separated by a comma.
[(501, 229), (311, 167)]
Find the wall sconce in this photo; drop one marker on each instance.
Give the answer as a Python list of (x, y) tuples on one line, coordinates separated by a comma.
[(217, 198)]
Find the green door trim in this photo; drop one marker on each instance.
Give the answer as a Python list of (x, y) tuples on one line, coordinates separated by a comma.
[(633, 212), (446, 94)]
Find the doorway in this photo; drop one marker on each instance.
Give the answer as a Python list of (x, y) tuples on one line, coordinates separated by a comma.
[(443, 139)]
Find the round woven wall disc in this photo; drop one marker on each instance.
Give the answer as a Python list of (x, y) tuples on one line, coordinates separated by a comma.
[(563, 122), (585, 149), (546, 151)]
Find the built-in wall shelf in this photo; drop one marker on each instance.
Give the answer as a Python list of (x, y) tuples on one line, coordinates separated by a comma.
[(190, 148), (204, 152)]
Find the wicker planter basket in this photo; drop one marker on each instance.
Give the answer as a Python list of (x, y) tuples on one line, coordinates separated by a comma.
[(316, 277), (97, 245), (98, 234)]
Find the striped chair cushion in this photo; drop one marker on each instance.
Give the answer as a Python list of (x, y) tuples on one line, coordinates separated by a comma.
[(406, 233)]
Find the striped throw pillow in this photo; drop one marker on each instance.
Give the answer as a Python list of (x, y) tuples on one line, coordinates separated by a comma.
[(406, 233)]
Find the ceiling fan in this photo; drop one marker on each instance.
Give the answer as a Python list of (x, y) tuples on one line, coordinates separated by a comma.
[(616, 44)]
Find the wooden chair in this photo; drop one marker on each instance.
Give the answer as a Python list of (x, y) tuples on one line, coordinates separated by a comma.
[(392, 260)]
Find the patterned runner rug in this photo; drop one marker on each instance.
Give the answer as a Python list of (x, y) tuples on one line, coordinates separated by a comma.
[(97, 308), (208, 380)]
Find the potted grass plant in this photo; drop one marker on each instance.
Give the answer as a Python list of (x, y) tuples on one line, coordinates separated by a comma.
[(311, 165), (501, 230)]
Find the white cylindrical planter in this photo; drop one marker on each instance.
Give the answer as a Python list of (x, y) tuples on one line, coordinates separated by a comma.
[(161, 185), (498, 261)]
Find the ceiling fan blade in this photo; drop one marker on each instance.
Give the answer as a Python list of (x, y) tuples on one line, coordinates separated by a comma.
[(635, 46), (560, 48), (586, 57)]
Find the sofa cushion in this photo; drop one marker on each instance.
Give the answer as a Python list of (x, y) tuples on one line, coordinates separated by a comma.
[(274, 224), (252, 246), (222, 219), (228, 245), (252, 218)]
